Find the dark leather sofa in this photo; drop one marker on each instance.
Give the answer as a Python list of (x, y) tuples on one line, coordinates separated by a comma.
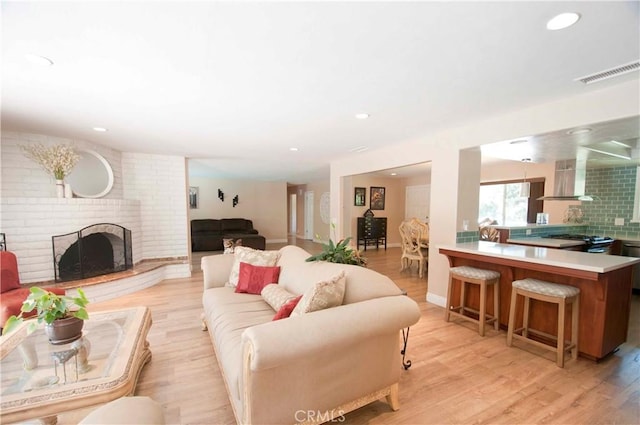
[(207, 234)]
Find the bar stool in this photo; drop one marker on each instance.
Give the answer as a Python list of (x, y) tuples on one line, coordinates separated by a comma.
[(551, 293), (475, 276)]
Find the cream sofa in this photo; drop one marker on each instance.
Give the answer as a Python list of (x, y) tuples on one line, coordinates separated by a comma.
[(310, 368)]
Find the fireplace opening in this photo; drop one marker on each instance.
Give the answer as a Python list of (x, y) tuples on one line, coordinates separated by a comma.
[(92, 251)]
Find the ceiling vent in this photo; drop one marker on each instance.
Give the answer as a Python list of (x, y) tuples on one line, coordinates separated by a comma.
[(610, 73)]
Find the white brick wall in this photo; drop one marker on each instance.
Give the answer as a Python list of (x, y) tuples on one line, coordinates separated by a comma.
[(29, 224), (22, 177), (159, 182), (149, 198)]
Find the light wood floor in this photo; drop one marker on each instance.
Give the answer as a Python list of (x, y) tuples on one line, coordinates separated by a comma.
[(456, 377)]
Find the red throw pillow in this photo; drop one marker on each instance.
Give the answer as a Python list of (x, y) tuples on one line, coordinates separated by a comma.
[(285, 310), (252, 279)]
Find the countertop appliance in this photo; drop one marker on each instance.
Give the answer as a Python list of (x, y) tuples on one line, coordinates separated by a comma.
[(592, 244)]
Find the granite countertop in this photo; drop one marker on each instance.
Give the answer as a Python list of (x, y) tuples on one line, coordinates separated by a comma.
[(577, 260), (547, 242)]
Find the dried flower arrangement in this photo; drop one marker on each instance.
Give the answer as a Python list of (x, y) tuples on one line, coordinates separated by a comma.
[(57, 160)]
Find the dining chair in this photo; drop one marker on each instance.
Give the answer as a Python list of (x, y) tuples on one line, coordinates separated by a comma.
[(489, 234), (415, 244)]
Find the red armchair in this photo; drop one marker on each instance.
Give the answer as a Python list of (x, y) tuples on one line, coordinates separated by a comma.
[(12, 293)]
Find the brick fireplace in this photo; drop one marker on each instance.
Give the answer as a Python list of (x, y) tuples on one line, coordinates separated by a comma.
[(30, 224), (149, 197), (95, 250)]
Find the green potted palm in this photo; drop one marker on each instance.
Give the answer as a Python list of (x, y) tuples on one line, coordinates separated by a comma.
[(62, 315), (339, 252)]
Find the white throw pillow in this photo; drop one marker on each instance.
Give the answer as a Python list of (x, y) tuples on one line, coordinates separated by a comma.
[(276, 296), (324, 294), (255, 257)]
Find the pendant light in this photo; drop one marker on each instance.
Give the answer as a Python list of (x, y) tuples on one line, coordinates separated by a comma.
[(525, 186)]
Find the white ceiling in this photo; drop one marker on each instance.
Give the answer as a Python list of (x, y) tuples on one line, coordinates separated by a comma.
[(237, 84)]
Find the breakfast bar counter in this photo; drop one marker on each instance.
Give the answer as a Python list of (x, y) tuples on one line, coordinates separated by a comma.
[(548, 243), (604, 282)]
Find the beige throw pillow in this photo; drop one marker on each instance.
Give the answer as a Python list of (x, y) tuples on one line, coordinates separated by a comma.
[(322, 295), (255, 257), (276, 296)]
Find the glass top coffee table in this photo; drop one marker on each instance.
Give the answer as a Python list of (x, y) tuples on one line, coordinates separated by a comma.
[(40, 380)]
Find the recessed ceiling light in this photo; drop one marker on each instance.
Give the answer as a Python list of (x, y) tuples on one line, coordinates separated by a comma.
[(562, 21), (38, 60), (579, 131), (394, 174), (293, 149), (362, 116), (100, 129)]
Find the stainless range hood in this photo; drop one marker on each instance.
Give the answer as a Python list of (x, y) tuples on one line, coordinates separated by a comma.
[(570, 177)]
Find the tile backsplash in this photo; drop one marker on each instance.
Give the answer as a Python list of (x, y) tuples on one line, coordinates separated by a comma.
[(543, 230), (613, 190), (467, 236)]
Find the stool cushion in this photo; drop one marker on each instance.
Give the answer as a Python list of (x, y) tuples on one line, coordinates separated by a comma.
[(546, 288), (127, 410), (474, 273)]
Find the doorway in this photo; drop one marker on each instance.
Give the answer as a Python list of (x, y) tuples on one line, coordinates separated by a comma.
[(293, 210), (308, 215)]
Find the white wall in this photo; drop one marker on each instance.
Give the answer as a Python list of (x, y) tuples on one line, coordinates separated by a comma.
[(159, 183), (264, 203), (610, 103)]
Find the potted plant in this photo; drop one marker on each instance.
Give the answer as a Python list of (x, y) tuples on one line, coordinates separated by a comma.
[(63, 321), (339, 252)]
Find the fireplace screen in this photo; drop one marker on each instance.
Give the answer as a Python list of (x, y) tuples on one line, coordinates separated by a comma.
[(95, 250)]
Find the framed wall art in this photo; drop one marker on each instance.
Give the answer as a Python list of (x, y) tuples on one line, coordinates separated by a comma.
[(376, 198), (360, 196), (193, 197)]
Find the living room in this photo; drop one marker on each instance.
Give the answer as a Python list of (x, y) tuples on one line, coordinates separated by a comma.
[(265, 102)]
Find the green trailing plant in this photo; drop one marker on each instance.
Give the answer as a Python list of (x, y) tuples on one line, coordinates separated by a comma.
[(49, 308), (339, 252)]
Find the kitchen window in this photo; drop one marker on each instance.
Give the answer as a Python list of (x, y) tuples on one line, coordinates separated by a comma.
[(502, 202)]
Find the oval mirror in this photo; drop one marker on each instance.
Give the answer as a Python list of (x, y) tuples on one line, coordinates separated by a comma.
[(92, 176)]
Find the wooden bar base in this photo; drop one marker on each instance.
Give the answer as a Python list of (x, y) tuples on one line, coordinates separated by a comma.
[(605, 299)]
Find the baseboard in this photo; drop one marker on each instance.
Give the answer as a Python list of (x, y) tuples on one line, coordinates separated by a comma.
[(436, 299), (277, 240)]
